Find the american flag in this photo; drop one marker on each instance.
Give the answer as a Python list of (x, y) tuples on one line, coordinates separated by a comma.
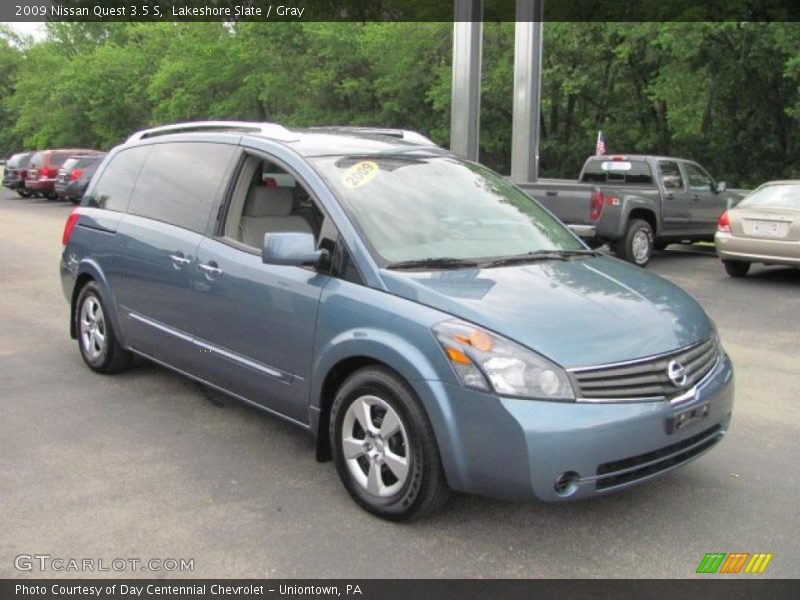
[(600, 148)]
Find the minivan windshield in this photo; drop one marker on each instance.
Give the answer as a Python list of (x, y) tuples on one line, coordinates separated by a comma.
[(441, 211)]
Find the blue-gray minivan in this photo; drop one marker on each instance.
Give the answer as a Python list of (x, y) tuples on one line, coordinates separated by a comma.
[(428, 322)]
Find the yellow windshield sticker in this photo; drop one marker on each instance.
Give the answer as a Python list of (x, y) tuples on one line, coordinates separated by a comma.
[(360, 174)]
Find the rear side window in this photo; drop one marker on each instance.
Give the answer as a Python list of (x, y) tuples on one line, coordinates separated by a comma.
[(617, 171), (58, 159), (670, 175), (180, 181), (37, 160), (113, 188)]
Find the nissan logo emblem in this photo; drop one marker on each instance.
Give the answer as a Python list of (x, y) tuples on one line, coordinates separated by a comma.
[(676, 373)]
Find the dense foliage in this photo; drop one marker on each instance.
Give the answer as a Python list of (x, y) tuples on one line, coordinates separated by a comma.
[(725, 94)]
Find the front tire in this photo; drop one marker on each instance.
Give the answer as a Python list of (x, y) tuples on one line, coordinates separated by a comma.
[(736, 268), (384, 447), (97, 339), (24, 193), (637, 244)]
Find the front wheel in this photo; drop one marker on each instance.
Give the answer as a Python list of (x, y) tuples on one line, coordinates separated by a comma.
[(24, 193), (97, 340), (736, 268), (384, 447), (637, 244)]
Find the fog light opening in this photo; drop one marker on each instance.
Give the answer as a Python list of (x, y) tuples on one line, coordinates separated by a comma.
[(566, 484)]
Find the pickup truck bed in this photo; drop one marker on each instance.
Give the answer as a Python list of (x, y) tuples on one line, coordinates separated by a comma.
[(637, 203)]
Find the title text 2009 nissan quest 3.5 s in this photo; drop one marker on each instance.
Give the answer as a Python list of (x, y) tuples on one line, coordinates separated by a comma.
[(428, 322)]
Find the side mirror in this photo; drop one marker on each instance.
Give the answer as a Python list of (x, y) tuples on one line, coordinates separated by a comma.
[(721, 187), (291, 248)]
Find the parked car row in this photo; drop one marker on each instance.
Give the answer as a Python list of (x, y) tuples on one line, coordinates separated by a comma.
[(61, 173)]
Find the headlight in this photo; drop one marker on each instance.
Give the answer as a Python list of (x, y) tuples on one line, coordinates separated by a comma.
[(485, 361)]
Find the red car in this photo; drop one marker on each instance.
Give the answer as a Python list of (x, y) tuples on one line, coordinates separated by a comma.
[(43, 168)]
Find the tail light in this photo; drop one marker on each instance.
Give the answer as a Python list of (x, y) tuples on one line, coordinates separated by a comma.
[(724, 223), (72, 220), (48, 172), (596, 205), (75, 174)]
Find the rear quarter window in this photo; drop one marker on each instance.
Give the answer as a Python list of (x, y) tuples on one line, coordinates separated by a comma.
[(180, 182), (115, 184)]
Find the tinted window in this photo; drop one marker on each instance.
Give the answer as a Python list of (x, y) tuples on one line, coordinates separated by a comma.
[(670, 175), (18, 160), (113, 189), (58, 159), (70, 164), (617, 171), (180, 181), (698, 179), (37, 160)]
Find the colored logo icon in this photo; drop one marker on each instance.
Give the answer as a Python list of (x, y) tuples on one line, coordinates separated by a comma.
[(736, 562)]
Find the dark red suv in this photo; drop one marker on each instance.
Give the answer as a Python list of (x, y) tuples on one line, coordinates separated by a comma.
[(43, 168)]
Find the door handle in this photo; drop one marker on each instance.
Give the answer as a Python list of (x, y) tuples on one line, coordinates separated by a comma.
[(551, 193), (669, 196), (211, 270), (179, 260), (695, 197)]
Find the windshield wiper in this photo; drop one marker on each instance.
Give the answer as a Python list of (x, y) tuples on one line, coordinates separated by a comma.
[(537, 255), (433, 263)]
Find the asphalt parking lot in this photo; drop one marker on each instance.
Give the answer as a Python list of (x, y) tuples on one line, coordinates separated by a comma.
[(147, 465)]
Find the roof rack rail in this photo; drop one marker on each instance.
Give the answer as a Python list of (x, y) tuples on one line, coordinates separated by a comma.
[(404, 134), (271, 130)]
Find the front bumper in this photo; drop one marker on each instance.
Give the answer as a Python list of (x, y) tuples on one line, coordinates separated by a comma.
[(520, 449), (759, 250)]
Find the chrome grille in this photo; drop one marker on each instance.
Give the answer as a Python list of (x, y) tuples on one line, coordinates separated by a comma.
[(646, 379)]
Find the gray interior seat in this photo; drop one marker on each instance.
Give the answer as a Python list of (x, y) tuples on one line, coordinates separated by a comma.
[(267, 210)]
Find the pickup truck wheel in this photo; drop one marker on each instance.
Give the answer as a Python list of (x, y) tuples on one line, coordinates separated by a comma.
[(637, 245), (24, 193), (384, 447), (736, 268)]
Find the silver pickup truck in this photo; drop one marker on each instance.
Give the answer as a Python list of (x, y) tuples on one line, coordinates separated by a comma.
[(637, 203)]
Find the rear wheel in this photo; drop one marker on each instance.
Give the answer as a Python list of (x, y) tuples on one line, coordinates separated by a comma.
[(24, 193), (736, 268), (637, 244), (97, 339), (384, 447)]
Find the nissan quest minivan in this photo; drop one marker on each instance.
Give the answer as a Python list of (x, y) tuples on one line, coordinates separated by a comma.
[(428, 322)]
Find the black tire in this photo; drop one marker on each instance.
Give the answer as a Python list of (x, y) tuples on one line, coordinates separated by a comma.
[(74, 200), (106, 357), (24, 193), (424, 487), (630, 247), (736, 268)]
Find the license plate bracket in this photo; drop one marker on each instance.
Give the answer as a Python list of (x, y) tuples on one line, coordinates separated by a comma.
[(688, 417)]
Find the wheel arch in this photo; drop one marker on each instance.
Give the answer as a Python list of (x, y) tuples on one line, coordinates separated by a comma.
[(89, 271), (348, 353)]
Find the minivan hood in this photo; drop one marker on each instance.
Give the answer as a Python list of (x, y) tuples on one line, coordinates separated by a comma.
[(579, 312)]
